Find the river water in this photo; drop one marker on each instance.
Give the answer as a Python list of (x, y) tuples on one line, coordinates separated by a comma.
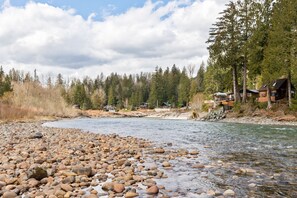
[(269, 152)]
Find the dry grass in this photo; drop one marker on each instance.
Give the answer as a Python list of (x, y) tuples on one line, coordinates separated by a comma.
[(197, 102), (8, 112), (29, 100)]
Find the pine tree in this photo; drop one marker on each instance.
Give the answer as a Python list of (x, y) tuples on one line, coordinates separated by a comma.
[(183, 89), (224, 43), (246, 17), (200, 77), (281, 52)]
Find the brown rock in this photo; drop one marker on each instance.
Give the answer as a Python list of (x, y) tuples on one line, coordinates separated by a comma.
[(9, 195), (108, 186), (131, 194), (33, 182), (159, 150), (118, 188), (194, 152), (198, 166), (83, 171), (2, 184), (166, 164), (91, 196), (60, 193), (152, 190), (66, 187)]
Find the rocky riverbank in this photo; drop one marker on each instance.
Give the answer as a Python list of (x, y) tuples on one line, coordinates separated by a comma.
[(261, 120), (36, 161)]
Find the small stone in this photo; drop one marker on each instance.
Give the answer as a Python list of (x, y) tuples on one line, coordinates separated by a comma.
[(229, 193), (33, 182), (118, 188), (166, 164), (9, 195), (159, 150), (91, 196), (2, 184), (198, 166), (37, 135), (152, 190), (83, 171), (211, 193), (67, 195), (60, 193), (108, 186), (194, 152), (95, 192), (131, 194), (252, 185), (66, 187)]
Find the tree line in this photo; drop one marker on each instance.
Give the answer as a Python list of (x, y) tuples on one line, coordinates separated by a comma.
[(253, 42), (171, 86)]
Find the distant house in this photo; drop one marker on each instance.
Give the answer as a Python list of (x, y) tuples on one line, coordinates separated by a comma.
[(279, 90), (250, 93)]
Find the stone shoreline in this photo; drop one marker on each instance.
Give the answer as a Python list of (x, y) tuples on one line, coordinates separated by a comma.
[(37, 161), (259, 121)]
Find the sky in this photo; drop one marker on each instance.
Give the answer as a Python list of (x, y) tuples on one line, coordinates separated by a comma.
[(84, 38)]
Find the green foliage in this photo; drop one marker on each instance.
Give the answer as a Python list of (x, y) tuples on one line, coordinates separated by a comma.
[(237, 107), (5, 83)]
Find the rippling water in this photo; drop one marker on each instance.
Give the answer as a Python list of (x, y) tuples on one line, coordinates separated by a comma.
[(269, 150)]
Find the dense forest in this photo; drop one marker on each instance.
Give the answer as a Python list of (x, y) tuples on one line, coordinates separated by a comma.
[(171, 87), (253, 42)]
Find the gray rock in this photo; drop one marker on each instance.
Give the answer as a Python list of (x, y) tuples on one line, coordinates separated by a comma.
[(37, 173)]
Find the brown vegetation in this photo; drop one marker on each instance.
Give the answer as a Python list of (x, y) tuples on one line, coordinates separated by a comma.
[(30, 100)]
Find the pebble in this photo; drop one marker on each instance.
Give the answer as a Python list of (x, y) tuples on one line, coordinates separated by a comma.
[(229, 193), (152, 190), (166, 164), (118, 188), (9, 195), (131, 194)]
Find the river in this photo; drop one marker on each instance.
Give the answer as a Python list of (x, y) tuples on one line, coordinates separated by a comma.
[(252, 160)]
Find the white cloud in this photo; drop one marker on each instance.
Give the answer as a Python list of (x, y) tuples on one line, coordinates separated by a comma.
[(54, 40)]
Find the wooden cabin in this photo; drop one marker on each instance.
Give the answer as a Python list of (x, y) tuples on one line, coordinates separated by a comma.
[(279, 90), (251, 94)]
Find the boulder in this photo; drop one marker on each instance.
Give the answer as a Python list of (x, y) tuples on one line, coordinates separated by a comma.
[(37, 173)]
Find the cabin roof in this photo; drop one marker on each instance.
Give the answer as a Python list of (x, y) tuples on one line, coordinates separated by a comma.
[(276, 85)]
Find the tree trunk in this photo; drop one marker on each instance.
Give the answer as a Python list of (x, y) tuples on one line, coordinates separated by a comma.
[(244, 94), (235, 84), (289, 90), (268, 98)]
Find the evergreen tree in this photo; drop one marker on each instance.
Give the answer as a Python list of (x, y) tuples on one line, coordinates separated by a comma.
[(224, 43), (280, 54), (246, 16), (200, 78), (183, 89)]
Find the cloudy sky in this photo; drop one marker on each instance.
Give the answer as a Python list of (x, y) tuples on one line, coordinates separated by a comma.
[(79, 38)]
